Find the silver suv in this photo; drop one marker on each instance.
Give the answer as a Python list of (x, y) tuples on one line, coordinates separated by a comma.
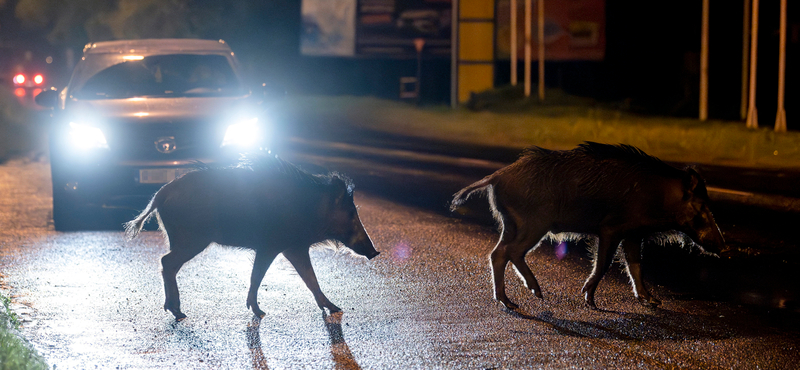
[(136, 114)]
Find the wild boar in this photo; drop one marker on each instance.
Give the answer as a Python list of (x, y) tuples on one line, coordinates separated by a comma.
[(616, 192), (265, 204)]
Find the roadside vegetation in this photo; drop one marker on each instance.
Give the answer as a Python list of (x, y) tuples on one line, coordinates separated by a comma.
[(15, 352), (561, 123)]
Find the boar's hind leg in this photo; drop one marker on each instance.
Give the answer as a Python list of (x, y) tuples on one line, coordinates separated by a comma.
[(171, 262), (606, 250), (302, 264), (513, 246), (633, 259), (263, 259)]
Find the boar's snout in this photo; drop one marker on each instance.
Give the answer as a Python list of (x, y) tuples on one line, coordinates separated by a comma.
[(362, 244), (373, 255), (708, 235)]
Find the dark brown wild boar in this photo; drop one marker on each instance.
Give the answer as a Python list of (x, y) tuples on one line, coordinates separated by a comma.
[(264, 204), (616, 192)]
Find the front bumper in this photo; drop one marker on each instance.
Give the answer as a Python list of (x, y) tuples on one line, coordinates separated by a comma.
[(120, 185)]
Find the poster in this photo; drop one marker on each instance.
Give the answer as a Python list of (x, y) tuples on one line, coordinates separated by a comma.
[(328, 28), (573, 30), (390, 27)]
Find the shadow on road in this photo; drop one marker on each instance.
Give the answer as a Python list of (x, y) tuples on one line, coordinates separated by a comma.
[(662, 325), (342, 357)]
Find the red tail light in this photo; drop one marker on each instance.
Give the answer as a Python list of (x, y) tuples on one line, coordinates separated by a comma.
[(19, 79), (38, 79), (19, 92)]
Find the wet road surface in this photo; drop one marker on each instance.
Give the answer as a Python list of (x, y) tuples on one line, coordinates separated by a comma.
[(93, 300)]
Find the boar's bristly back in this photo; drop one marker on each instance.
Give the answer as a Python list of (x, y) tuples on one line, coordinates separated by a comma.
[(272, 164)]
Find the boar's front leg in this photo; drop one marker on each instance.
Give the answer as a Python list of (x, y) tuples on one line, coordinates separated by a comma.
[(260, 265), (633, 262), (301, 261)]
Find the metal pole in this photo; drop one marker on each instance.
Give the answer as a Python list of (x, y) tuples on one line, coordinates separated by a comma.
[(704, 64), (528, 12), (780, 119), (752, 114), (745, 54), (540, 4), (513, 30)]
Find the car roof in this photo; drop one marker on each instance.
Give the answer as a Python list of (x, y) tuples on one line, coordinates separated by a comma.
[(157, 46)]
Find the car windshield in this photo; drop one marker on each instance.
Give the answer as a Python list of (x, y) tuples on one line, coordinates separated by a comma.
[(162, 76)]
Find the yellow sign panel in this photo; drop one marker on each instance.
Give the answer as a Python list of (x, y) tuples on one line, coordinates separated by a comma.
[(476, 9), (474, 78), (476, 41)]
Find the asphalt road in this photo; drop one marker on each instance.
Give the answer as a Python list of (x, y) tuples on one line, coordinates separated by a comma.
[(93, 299)]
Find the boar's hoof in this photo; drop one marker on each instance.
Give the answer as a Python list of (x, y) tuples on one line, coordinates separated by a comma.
[(589, 298), (332, 308), (649, 301), (257, 311), (508, 304), (537, 293), (179, 316)]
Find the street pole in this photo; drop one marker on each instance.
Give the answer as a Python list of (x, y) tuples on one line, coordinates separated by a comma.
[(780, 119), (704, 64), (540, 6), (528, 12), (752, 114), (513, 43), (419, 44)]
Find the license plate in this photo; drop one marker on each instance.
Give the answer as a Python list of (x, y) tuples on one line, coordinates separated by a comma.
[(161, 175)]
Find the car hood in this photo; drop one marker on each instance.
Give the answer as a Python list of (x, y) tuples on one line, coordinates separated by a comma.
[(160, 109)]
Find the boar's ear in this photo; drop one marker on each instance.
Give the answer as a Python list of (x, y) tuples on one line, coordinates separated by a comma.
[(340, 190), (694, 185)]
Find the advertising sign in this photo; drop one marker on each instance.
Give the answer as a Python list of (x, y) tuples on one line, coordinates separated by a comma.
[(573, 30), (328, 28), (389, 27)]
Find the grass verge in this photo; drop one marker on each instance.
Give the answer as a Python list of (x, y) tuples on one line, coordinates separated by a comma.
[(15, 352), (558, 126)]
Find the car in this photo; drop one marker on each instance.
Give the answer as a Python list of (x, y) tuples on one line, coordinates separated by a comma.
[(26, 71), (136, 114)]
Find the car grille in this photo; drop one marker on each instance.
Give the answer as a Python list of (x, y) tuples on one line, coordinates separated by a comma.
[(185, 140)]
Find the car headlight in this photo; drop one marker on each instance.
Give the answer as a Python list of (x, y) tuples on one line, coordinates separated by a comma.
[(243, 134), (85, 137)]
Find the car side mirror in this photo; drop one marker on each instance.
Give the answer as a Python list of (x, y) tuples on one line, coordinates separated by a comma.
[(47, 98)]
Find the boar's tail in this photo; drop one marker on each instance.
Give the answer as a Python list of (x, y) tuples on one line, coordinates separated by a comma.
[(464, 194), (133, 227)]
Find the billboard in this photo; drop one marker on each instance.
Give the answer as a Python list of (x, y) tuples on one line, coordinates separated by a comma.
[(328, 28), (573, 30), (389, 27)]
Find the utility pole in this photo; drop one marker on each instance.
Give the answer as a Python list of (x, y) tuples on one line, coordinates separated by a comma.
[(540, 6), (780, 120), (528, 12), (704, 64), (513, 49), (752, 114)]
